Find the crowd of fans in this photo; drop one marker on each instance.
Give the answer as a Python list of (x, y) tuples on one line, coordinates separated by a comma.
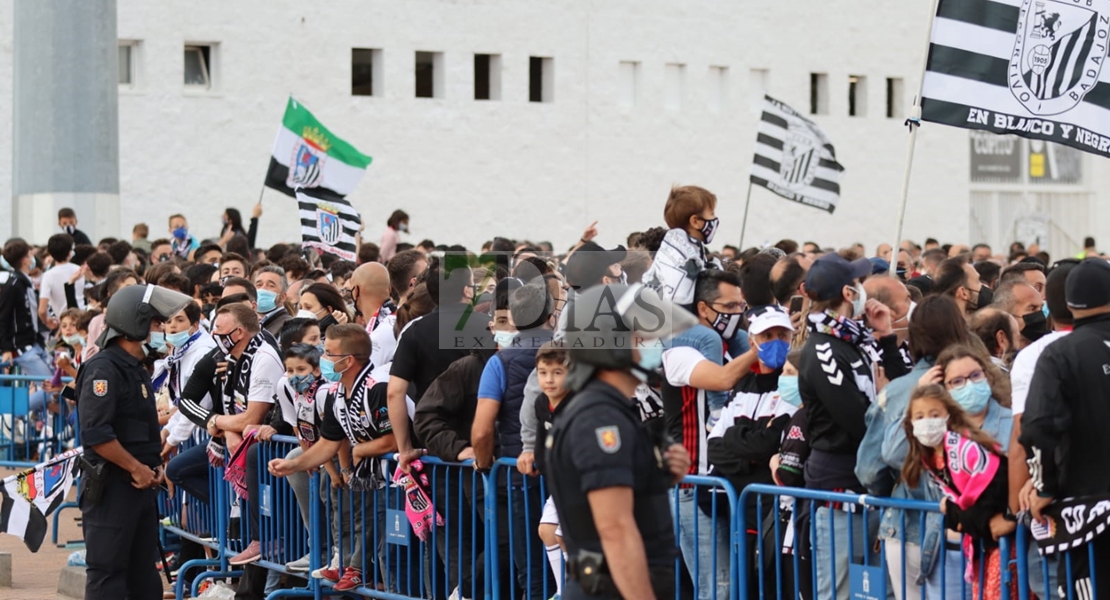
[(810, 367)]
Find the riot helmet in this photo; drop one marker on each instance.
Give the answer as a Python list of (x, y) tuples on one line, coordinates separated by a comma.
[(132, 308)]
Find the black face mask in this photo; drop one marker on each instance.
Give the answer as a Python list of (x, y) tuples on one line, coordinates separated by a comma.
[(1036, 326), (984, 298)]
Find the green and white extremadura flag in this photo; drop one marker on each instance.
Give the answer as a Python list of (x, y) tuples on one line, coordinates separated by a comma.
[(308, 155)]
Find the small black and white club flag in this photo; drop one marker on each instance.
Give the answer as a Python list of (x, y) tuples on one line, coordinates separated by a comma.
[(1033, 68), (328, 222), (794, 158)]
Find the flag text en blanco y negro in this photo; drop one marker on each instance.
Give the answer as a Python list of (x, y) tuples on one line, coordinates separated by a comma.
[(328, 223), (29, 497), (307, 155), (794, 158), (1033, 68)]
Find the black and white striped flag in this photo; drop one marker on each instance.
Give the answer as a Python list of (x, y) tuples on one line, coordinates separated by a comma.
[(1027, 67), (794, 158), (328, 222)]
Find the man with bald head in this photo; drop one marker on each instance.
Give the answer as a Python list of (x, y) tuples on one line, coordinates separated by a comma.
[(893, 293), (883, 251), (369, 285)]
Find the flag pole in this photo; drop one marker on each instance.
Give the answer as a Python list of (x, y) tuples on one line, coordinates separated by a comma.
[(747, 205), (914, 123)]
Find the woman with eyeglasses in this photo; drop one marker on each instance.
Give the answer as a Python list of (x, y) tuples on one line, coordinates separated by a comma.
[(983, 392)]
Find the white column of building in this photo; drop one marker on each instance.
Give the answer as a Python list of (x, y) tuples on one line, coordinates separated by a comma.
[(65, 116)]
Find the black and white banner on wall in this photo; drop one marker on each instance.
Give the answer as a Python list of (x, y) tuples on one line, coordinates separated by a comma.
[(794, 158), (328, 222), (1033, 68)]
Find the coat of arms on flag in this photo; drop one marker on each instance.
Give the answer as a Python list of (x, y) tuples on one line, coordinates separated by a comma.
[(1058, 54), (799, 162), (328, 224), (307, 162)]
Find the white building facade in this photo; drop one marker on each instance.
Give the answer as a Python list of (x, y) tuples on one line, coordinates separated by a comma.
[(595, 109)]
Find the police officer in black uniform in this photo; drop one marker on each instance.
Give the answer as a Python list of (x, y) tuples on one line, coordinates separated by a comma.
[(610, 475), (120, 433)]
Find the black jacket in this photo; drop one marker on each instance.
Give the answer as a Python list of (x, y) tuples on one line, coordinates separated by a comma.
[(1063, 428), (445, 413), (17, 320), (837, 386)]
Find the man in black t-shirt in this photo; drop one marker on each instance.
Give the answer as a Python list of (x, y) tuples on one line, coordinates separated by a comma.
[(433, 342)]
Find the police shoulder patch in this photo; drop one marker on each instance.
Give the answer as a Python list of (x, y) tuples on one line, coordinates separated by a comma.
[(100, 387), (608, 439)]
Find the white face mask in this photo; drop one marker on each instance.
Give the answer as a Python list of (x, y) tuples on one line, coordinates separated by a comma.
[(860, 303), (930, 432)]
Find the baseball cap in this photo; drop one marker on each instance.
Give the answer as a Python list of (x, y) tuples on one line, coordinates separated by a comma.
[(879, 265), (765, 317), (1088, 284), (831, 272), (590, 263)]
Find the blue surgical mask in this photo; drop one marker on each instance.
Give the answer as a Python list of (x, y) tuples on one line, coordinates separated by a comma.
[(860, 303), (181, 233), (177, 340), (301, 383), (973, 397), (158, 341), (788, 390), (773, 353), (327, 370), (74, 340), (651, 358), (267, 301), (504, 339)]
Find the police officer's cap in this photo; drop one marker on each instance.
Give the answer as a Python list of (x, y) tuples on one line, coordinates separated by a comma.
[(606, 321), (132, 308)]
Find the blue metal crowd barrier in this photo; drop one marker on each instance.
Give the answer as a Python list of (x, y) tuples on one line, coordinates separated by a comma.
[(781, 542), (28, 437)]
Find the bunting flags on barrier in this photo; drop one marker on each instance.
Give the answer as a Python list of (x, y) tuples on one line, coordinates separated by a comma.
[(27, 498)]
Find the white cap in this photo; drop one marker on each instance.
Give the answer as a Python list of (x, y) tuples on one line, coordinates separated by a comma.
[(765, 317)]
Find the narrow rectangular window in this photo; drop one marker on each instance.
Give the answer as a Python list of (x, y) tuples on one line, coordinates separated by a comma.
[(487, 76), (365, 72), (628, 75), (429, 74), (718, 88), (198, 62), (127, 63), (675, 85), (818, 94), (857, 96), (894, 97), (541, 79)]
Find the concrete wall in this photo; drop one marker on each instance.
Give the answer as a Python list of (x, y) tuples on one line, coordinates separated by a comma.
[(466, 170)]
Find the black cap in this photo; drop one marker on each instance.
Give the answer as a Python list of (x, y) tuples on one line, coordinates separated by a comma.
[(831, 272), (590, 263), (1088, 284)]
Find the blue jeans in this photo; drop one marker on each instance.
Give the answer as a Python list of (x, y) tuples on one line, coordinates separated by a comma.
[(952, 571), (189, 470), (711, 543), (834, 570), (34, 362)]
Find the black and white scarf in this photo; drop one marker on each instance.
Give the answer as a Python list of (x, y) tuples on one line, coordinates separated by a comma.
[(237, 386)]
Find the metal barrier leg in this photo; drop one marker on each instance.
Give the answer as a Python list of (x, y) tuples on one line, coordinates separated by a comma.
[(57, 515)]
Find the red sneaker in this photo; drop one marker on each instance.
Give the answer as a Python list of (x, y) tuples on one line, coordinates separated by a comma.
[(352, 578), (327, 573), (252, 553)]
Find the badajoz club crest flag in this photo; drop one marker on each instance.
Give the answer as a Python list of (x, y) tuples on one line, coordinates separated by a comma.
[(1032, 68), (307, 155), (794, 158), (328, 223)]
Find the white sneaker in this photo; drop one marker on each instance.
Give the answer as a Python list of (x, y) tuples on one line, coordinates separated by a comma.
[(299, 566), (457, 595)]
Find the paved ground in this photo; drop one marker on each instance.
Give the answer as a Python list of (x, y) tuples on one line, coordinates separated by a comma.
[(35, 575)]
